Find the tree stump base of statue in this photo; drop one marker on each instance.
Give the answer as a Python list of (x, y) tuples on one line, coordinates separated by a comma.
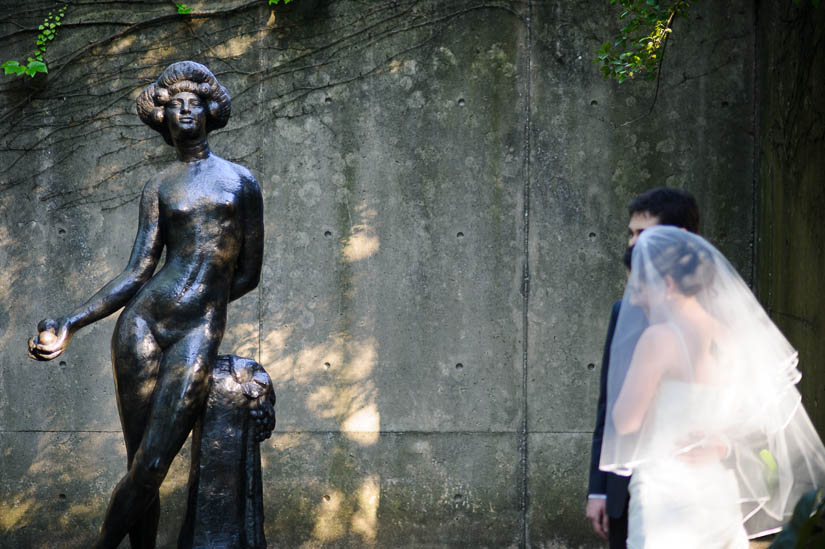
[(225, 505)]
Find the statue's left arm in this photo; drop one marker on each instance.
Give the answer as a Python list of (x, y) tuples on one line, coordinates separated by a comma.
[(250, 257)]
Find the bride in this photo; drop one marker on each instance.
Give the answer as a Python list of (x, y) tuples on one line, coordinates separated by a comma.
[(702, 404)]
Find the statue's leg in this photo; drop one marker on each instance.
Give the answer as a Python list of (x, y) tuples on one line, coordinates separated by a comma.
[(182, 387), (135, 360)]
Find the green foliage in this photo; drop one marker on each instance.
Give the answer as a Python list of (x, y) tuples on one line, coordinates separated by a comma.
[(35, 63), (182, 9), (807, 525), (639, 46), (273, 2)]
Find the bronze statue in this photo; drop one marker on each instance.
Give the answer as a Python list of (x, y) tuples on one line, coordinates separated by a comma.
[(208, 214)]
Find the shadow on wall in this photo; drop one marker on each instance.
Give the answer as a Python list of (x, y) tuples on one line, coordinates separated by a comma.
[(333, 416)]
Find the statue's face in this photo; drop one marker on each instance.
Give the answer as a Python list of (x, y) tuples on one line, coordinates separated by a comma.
[(185, 116)]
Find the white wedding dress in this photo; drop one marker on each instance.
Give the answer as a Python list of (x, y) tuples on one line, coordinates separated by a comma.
[(734, 390), (675, 504)]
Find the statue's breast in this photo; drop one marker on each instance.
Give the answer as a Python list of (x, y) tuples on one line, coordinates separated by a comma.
[(204, 202)]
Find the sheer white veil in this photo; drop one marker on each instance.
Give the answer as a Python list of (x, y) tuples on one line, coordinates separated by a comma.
[(692, 337)]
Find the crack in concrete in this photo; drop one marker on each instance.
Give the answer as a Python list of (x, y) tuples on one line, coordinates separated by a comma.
[(523, 446)]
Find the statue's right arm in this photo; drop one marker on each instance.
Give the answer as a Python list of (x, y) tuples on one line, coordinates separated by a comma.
[(146, 252)]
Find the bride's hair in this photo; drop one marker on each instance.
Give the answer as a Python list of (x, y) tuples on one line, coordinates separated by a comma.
[(686, 260)]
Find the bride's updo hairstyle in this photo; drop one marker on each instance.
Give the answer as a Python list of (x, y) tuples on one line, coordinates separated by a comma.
[(687, 261), (184, 76)]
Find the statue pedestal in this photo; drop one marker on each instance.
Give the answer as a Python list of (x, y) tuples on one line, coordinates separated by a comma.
[(225, 505)]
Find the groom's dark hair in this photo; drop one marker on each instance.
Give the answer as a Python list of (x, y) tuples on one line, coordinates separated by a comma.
[(671, 206)]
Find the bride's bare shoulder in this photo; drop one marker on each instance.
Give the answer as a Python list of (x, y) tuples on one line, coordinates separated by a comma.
[(658, 335)]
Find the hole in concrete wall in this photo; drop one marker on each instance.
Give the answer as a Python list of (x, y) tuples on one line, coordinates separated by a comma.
[(725, 103), (459, 235), (62, 363), (594, 102), (461, 102), (61, 231), (459, 366), (591, 366), (328, 100), (327, 365), (62, 496), (326, 497), (592, 235), (457, 498), (327, 234)]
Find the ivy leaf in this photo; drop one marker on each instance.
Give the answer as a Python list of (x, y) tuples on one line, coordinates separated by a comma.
[(182, 9), (35, 66), (12, 67)]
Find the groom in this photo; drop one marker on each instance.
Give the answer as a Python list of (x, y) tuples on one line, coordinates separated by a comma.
[(607, 496)]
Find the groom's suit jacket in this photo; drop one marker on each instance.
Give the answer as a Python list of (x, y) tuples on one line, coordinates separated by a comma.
[(601, 482)]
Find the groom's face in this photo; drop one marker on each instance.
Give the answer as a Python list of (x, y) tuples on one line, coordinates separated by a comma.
[(639, 221)]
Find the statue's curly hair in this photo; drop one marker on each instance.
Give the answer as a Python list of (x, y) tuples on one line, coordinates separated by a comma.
[(184, 76)]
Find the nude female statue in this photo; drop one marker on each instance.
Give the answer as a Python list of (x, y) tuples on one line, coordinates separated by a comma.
[(207, 213)]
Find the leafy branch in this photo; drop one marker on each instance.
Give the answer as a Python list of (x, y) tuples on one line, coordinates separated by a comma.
[(36, 63), (638, 49)]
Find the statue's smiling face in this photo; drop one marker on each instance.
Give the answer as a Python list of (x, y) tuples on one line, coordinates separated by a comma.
[(185, 115)]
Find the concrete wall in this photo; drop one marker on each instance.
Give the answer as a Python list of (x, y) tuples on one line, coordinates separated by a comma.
[(791, 253), (445, 187)]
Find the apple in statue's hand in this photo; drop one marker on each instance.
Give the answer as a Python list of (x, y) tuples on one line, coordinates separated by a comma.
[(46, 337)]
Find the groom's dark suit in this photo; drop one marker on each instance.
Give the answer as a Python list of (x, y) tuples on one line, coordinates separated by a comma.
[(613, 486)]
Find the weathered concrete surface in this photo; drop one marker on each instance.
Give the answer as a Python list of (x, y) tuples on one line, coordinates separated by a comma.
[(445, 187), (791, 245)]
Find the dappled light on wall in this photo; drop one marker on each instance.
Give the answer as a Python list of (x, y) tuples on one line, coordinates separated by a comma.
[(362, 242), (365, 519), (363, 425), (328, 523), (13, 515)]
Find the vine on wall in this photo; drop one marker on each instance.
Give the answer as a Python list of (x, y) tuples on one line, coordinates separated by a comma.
[(639, 47), (48, 31), (36, 63)]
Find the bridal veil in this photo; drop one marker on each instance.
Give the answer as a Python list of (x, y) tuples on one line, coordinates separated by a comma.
[(700, 328)]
